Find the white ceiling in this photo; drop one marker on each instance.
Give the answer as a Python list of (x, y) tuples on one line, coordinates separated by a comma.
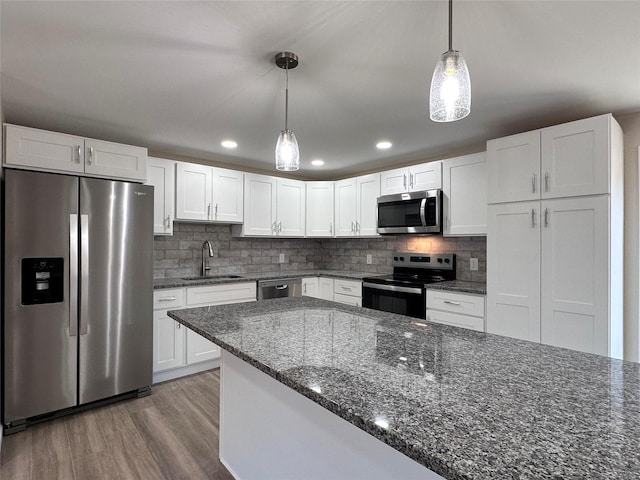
[(179, 77)]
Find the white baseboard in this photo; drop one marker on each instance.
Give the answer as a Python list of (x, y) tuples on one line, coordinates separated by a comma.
[(166, 375)]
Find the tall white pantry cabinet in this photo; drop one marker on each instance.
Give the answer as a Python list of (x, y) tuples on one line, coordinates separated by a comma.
[(555, 236)]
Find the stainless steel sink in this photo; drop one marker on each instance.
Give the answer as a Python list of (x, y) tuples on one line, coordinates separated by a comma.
[(212, 277)]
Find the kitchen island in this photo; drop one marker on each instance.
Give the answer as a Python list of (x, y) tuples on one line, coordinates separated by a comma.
[(460, 403)]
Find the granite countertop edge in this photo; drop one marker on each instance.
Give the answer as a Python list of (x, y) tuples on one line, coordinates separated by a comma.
[(433, 461), (459, 286)]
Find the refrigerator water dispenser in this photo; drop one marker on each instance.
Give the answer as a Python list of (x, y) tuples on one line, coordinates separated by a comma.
[(42, 280)]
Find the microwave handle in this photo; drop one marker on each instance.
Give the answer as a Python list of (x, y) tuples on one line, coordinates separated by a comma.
[(423, 218)]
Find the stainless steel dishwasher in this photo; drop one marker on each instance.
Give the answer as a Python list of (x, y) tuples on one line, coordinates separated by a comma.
[(288, 287)]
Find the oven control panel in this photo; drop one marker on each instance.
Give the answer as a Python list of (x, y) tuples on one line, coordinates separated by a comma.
[(440, 261)]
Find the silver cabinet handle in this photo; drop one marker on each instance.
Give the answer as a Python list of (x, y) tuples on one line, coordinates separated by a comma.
[(304, 290), (84, 273), (73, 274), (178, 325), (404, 181), (215, 211), (90, 159), (533, 183), (167, 299), (357, 226), (353, 226), (330, 228), (410, 180), (451, 303), (78, 153), (446, 222), (282, 287), (546, 181), (533, 218), (279, 227), (274, 227), (546, 217), (208, 210)]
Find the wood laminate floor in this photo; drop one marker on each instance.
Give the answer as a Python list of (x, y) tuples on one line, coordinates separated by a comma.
[(172, 434)]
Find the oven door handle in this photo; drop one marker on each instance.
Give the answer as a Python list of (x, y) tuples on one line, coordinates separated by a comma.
[(393, 288), (423, 207)]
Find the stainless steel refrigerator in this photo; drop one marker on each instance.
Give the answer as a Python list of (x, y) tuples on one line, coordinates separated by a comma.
[(78, 312)]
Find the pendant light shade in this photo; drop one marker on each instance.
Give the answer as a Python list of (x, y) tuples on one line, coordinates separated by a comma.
[(450, 96), (287, 152)]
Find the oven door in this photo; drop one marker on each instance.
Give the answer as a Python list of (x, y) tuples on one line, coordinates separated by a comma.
[(403, 300)]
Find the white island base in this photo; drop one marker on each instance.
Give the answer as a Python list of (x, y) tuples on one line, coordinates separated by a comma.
[(270, 431)]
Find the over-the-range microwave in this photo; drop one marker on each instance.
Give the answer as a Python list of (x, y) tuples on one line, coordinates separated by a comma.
[(413, 212)]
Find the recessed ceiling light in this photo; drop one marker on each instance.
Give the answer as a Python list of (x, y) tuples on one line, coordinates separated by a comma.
[(317, 162), (228, 144), (383, 145)]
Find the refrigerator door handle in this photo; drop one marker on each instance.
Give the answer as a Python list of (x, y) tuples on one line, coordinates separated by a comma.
[(73, 274), (84, 273)]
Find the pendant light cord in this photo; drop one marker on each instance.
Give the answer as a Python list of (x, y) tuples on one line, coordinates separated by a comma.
[(286, 97), (450, 25)]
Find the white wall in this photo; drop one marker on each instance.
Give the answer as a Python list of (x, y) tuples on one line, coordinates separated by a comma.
[(631, 126)]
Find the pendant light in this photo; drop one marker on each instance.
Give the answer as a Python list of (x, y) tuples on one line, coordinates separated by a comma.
[(450, 97), (287, 152)]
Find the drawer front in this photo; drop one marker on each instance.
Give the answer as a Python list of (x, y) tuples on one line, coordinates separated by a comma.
[(347, 287), (166, 299), (347, 299), (456, 320), (221, 294), (460, 303)]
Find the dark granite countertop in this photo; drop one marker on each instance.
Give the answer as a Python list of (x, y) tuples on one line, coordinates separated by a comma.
[(254, 277), (460, 286), (465, 404)]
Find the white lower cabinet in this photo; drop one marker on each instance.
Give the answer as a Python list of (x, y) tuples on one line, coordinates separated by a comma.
[(348, 292), (177, 350), (457, 309), (318, 287)]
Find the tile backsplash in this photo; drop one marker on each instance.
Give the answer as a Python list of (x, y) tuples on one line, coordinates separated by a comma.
[(180, 255)]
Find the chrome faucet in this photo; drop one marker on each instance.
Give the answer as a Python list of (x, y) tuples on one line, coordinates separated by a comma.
[(206, 267)]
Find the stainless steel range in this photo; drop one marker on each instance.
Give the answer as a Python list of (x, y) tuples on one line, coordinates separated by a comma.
[(404, 291)]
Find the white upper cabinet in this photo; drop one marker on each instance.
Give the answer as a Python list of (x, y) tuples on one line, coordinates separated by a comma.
[(356, 210), (345, 207), (228, 195), (320, 200), (576, 158), (209, 194), (427, 176), (161, 174), (259, 205), (568, 160), (464, 189), (290, 207), (194, 184), (273, 207), (34, 149)]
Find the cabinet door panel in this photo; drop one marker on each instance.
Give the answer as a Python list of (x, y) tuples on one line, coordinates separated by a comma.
[(39, 149), (575, 158), (319, 207), (326, 287), (345, 207), (199, 349), (368, 193), (513, 270), (310, 287), (465, 195), (193, 191), (114, 160), (228, 196), (394, 181), (161, 174), (514, 168), (427, 176), (575, 249), (169, 341), (290, 205), (259, 205)]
